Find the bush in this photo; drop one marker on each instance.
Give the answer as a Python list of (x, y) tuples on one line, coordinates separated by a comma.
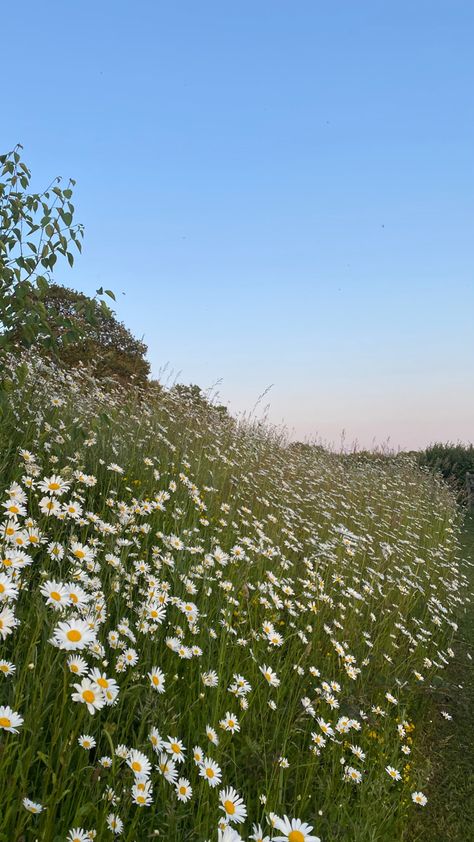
[(452, 461), (104, 344)]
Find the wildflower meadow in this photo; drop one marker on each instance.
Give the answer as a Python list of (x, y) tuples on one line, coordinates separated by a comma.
[(208, 633)]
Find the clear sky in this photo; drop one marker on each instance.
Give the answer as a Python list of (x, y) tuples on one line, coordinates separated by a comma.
[(283, 191)]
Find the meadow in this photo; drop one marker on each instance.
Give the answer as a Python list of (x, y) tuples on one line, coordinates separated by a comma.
[(208, 633)]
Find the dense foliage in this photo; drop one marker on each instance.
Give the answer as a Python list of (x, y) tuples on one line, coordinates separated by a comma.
[(35, 229), (102, 343), (202, 626), (452, 461)]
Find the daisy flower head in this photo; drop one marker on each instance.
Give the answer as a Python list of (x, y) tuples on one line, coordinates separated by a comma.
[(114, 823), (157, 679), (394, 773), (167, 767), (228, 834), (258, 835), (10, 720), (77, 665), (184, 789), (86, 741), (139, 763), (7, 668), (89, 694), (211, 771), (78, 834), (175, 749), (230, 723), (74, 634), (32, 806), (294, 830), (419, 798), (212, 735), (8, 589), (270, 676), (232, 805)]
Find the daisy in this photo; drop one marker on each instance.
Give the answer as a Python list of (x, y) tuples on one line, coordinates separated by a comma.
[(157, 679), (230, 723), (294, 830), (114, 823), (9, 719), (198, 755), (212, 735), (77, 665), (53, 485), (228, 834), (210, 770), (419, 798), (86, 741), (89, 694), (270, 676), (8, 622), (175, 748), (75, 634), (394, 773), (56, 594), (8, 589), (32, 806), (7, 668), (232, 805), (77, 834), (184, 790), (167, 767), (258, 835), (155, 739), (139, 763)]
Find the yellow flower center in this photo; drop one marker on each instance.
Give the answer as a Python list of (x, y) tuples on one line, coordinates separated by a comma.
[(136, 766), (209, 772), (175, 747), (229, 807), (2, 588), (295, 836), (102, 682), (53, 486), (55, 595), (5, 722), (231, 723), (74, 635), (182, 790), (88, 696), (73, 597), (79, 553), (155, 680), (141, 799), (4, 668)]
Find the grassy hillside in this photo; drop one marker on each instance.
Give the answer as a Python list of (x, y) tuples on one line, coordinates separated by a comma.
[(195, 613)]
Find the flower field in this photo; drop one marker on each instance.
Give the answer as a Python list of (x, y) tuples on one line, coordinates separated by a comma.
[(206, 633)]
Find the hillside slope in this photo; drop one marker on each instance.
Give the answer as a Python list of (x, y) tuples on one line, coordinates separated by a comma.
[(196, 612)]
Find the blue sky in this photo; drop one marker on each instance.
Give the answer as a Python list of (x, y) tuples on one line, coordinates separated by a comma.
[(284, 193)]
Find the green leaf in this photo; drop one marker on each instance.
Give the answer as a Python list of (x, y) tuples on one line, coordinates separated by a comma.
[(110, 294)]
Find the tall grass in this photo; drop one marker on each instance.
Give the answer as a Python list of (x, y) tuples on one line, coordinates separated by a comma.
[(304, 598)]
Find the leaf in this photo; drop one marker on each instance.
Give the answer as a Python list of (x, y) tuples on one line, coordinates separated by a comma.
[(110, 294)]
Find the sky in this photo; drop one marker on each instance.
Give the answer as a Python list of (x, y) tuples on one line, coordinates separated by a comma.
[(279, 194)]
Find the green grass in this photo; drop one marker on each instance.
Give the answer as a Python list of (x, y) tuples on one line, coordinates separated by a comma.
[(340, 574), (451, 744)]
